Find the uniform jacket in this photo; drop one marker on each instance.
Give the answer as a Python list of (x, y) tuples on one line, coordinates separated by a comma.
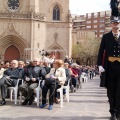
[(111, 48)]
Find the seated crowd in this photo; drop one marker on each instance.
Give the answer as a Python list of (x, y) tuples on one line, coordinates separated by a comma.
[(52, 74)]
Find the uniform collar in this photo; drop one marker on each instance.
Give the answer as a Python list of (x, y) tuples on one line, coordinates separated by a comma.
[(116, 33)]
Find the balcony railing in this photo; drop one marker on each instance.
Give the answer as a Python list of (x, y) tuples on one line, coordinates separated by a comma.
[(79, 25)]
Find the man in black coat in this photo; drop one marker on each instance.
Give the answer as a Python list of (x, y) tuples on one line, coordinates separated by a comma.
[(10, 78), (110, 51), (32, 77)]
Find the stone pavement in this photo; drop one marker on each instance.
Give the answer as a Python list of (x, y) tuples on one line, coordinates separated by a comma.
[(88, 103)]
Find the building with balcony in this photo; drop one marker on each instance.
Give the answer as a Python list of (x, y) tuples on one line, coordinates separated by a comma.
[(97, 21)]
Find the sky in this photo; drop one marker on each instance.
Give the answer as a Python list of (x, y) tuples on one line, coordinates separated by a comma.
[(81, 7)]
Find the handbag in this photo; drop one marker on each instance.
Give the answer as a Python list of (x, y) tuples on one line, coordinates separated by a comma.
[(50, 81)]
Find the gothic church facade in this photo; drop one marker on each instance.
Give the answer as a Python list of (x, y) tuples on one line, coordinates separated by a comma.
[(30, 27)]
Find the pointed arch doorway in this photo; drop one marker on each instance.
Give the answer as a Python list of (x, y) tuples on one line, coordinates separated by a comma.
[(12, 53), (56, 54)]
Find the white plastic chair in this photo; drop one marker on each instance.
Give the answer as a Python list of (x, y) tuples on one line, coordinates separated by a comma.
[(60, 90), (83, 77), (37, 91), (15, 90)]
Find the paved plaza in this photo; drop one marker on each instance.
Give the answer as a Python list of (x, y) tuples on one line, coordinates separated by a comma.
[(88, 103)]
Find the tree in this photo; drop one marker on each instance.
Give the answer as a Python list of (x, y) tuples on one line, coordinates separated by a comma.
[(86, 52)]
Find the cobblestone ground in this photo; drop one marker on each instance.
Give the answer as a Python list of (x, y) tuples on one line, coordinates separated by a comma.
[(88, 103)]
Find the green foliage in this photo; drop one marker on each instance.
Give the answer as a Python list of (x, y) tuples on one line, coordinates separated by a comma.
[(85, 52)]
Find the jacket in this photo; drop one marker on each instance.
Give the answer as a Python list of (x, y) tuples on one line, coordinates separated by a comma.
[(59, 73), (36, 72), (110, 47), (13, 73)]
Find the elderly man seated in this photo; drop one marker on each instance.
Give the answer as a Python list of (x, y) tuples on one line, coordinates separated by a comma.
[(32, 76), (10, 78)]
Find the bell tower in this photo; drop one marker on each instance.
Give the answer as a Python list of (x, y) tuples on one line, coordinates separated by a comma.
[(34, 5), (33, 25), (59, 26)]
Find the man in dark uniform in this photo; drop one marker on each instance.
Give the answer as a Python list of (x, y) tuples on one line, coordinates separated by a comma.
[(110, 50)]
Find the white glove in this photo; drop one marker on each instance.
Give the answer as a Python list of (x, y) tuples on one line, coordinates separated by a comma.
[(101, 69)]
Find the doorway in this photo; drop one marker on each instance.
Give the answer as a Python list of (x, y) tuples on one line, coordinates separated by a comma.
[(12, 53), (56, 54)]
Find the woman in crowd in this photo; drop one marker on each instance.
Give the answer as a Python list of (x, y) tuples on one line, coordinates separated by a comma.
[(74, 77), (6, 65), (53, 81), (1, 73), (21, 64), (1, 70)]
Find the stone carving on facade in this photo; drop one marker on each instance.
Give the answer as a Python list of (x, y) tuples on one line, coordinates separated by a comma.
[(55, 45), (56, 36), (23, 15), (57, 26), (9, 30)]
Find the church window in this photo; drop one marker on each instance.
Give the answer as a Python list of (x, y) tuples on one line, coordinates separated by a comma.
[(56, 13), (13, 4)]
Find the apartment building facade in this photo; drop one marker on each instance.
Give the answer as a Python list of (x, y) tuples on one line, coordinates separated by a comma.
[(97, 21)]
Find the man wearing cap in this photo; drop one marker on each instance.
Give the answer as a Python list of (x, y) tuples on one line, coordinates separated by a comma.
[(110, 51)]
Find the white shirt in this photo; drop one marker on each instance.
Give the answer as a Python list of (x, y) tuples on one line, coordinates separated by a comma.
[(1, 72), (118, 34)]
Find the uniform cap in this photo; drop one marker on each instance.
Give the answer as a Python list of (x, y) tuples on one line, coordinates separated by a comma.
[(115, 19)]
